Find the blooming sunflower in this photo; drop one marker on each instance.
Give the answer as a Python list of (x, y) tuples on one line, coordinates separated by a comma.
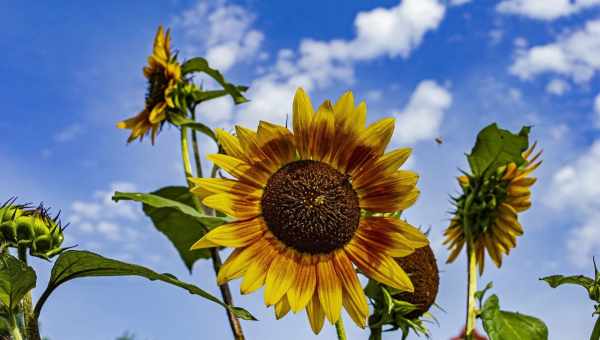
[(163, 73), (308, 205), (505, 195)]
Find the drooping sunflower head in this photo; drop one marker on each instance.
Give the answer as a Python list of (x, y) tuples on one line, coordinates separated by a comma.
[(163, 73), (310, 208), (422, 268), (498, 200)]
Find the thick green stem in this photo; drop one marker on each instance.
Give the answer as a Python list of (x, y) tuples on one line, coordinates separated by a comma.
[(339, 327), (471, 289), (596, 331), (32, 328), (234, 322), (13, 328)]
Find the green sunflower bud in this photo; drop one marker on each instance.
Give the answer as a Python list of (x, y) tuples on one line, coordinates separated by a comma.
[(22, 226)]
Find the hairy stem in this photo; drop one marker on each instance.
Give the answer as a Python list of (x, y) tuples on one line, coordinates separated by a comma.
[(13, 328), (471, 288), (339, 328), (596, 331), (234, 322), (32, 328)]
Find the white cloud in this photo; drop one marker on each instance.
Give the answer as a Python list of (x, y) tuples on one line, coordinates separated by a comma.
[(545, 9), (220, 31), (520, 42), (216, 111), (422, 117), (374, 95), (496, 36), (392, 32), (103, 216), (557, 87), (575, 55), (68, 133), (597, 110), (459, 2), (575, 188)]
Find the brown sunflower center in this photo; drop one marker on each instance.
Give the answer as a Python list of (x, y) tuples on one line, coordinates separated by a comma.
[(157, 84), (311, 207)]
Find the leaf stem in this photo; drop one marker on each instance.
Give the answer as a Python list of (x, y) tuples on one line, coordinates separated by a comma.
[(339, 327), (32, 328), (234, 322), (596, 331), (13, 327)]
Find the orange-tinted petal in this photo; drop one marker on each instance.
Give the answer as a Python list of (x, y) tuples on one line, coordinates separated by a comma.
[(330, 288), (304, 285)]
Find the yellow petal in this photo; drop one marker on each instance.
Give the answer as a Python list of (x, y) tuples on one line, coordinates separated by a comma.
[(304, 285), (380, 267), (322, 135), (236, 264), (280, 277), (389, 192), (206, 186), (237, 234), (390, 162), (282, 308), (230, 144), (330, 289), (302, 121), (240, 169), (354, 299), (255, 275), (316, 316), (255, 154), (277, 143), (232, 206)]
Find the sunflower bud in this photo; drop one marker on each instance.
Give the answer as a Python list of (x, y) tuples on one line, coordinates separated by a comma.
[(22, 226)]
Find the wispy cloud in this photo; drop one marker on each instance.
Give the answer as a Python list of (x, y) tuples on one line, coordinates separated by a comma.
[(545, 9)]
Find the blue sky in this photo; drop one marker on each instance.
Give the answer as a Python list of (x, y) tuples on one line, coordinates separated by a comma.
[(443, 69)]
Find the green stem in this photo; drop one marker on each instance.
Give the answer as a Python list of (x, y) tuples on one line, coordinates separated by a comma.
[(32, 328), (472, 287), (13, 328), (234, 322), (596, 331), (339, 327)]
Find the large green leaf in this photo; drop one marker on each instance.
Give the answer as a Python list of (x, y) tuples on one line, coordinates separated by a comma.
[(200, 96), (496, 147), (74, 264), (181, 229), (183, 121), (201, 65), (503, 325), (16, 280)]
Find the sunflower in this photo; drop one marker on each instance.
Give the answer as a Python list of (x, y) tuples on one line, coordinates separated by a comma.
[(309, 206), (163, 73), (505, 195)]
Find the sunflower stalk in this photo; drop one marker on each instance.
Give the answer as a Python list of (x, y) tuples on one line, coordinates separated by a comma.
[(32, 329), (234, 322), (471, 271), (339, 328), (13, 328)]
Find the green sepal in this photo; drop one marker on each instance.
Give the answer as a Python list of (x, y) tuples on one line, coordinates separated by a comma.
[(504, 325), (497, 147), (201, 65), (182, 230), (74, 264)]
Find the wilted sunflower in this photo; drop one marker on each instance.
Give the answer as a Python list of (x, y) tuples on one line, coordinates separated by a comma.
[(301, 200), (163, 73), (502, 198)]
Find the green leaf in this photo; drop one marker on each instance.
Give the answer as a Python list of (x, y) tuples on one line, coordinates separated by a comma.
[(496, 147), (503, 325), (201, 65), (200, 96), (481, 293), (16, 280), (580, 280), (181, 120), (181, 229), (161, 202), (74, 264)]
